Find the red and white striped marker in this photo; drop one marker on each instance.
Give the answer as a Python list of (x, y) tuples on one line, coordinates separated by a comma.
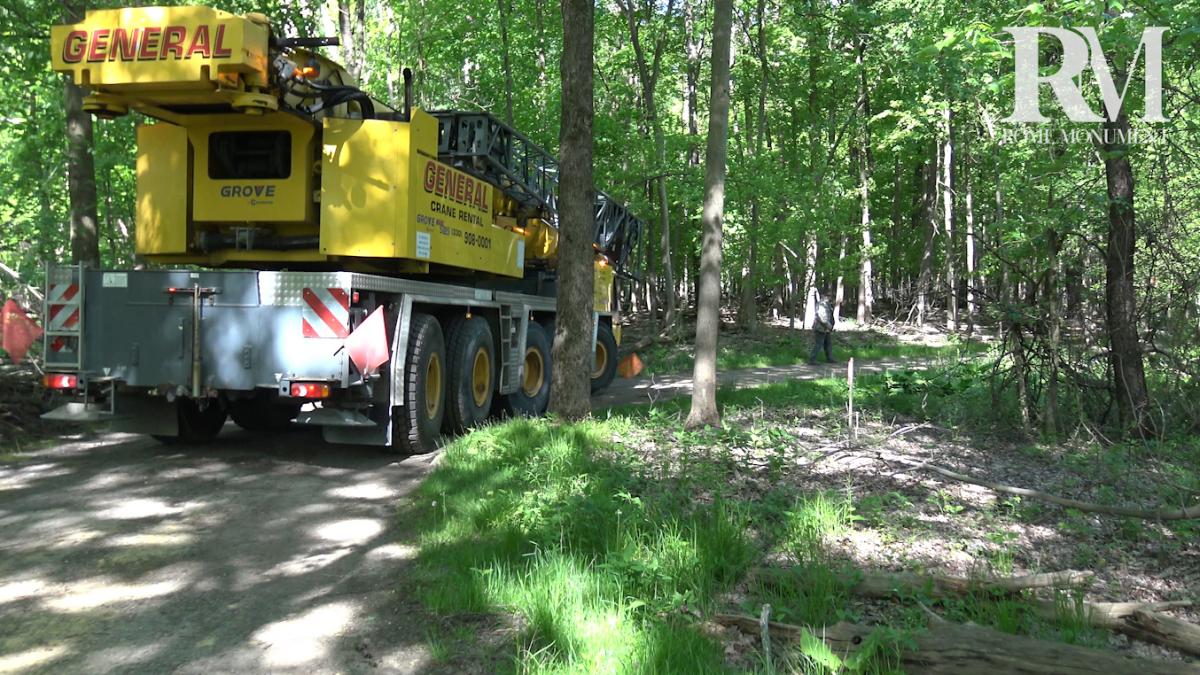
[(325, 313), (62, 313)]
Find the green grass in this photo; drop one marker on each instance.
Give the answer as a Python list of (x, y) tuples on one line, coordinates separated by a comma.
[(604, 555), (786, 350), (558, 526)]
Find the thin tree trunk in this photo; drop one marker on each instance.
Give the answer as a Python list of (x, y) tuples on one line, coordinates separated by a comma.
[(360, 42), (46, 217), (704, 376), (866, 167), (810, 281), (648, 73), (346, 41), (1053, 328), (895, 251), (972, 280), (866, 296), (572, 351), (841, 282), (928, 175), (1129, 375), (419, 76), (394, 70), (692, 45), (948, 218), (539, 7), (749, 309), (81, 171), (505, 7)]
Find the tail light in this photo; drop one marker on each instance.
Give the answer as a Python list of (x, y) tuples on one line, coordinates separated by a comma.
[(60, 381), (310, 390)]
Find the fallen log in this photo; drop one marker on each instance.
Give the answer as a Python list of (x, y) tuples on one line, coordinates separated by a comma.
[(1107, 614), (958, 649), (886, 585), (1139, 620), (882, 585), (1161, 629)]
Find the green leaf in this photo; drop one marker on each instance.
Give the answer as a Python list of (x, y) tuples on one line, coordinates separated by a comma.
[(820, 653)]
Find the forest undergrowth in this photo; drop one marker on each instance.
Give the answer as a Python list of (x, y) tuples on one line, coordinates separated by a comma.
[(610, 545)]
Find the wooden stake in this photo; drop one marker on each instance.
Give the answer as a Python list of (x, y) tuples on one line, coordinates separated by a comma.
[(764, 623), (850, 411)]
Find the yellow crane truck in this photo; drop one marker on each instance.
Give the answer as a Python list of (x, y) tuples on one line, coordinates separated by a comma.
[(313, 254)]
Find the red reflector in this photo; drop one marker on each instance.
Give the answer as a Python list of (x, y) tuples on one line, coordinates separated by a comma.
[(310, 390), (59, 381), (354, 297)]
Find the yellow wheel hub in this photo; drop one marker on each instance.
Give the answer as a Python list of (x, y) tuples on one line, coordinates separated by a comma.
[(535, 373), (601, 360), (481, 377), (433, 386)]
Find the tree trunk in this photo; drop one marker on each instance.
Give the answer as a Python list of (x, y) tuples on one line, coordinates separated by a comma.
[(810, 281), (972, 280), (81, 171), (704, 376), (928, 177), (419, 75), (692, 45), (392, 52), (505, 7), (572, 351), (346, 41), (1053, 328), (895, 250), (840, 292), (866, 296), (948, 219), (360, 42), (1129, 375), (539, 8), (866, 167), (749, 309), (648, 73)]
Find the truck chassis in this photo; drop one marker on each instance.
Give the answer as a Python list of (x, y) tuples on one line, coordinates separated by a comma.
[(171, 352)]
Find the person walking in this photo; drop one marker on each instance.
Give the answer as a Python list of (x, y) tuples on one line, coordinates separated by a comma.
[(822, 329)]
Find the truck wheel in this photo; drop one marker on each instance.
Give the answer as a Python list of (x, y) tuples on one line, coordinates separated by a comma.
[(533, 396), (472, 361), (605, 368), (195, 425), (418, 424), (259, 414)]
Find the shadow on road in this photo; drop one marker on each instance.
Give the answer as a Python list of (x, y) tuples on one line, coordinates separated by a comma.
[(256, 552)]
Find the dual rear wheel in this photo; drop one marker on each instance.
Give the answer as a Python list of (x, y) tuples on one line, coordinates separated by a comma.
[(449, 384), (451, 378)]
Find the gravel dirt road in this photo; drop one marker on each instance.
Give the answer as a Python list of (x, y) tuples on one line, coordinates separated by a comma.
[(254, 553)]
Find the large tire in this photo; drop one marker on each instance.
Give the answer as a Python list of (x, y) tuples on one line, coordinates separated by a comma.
[(533, 396), (605, 367), (196, 425), (472, 359), (417, 424), (262, 414)]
